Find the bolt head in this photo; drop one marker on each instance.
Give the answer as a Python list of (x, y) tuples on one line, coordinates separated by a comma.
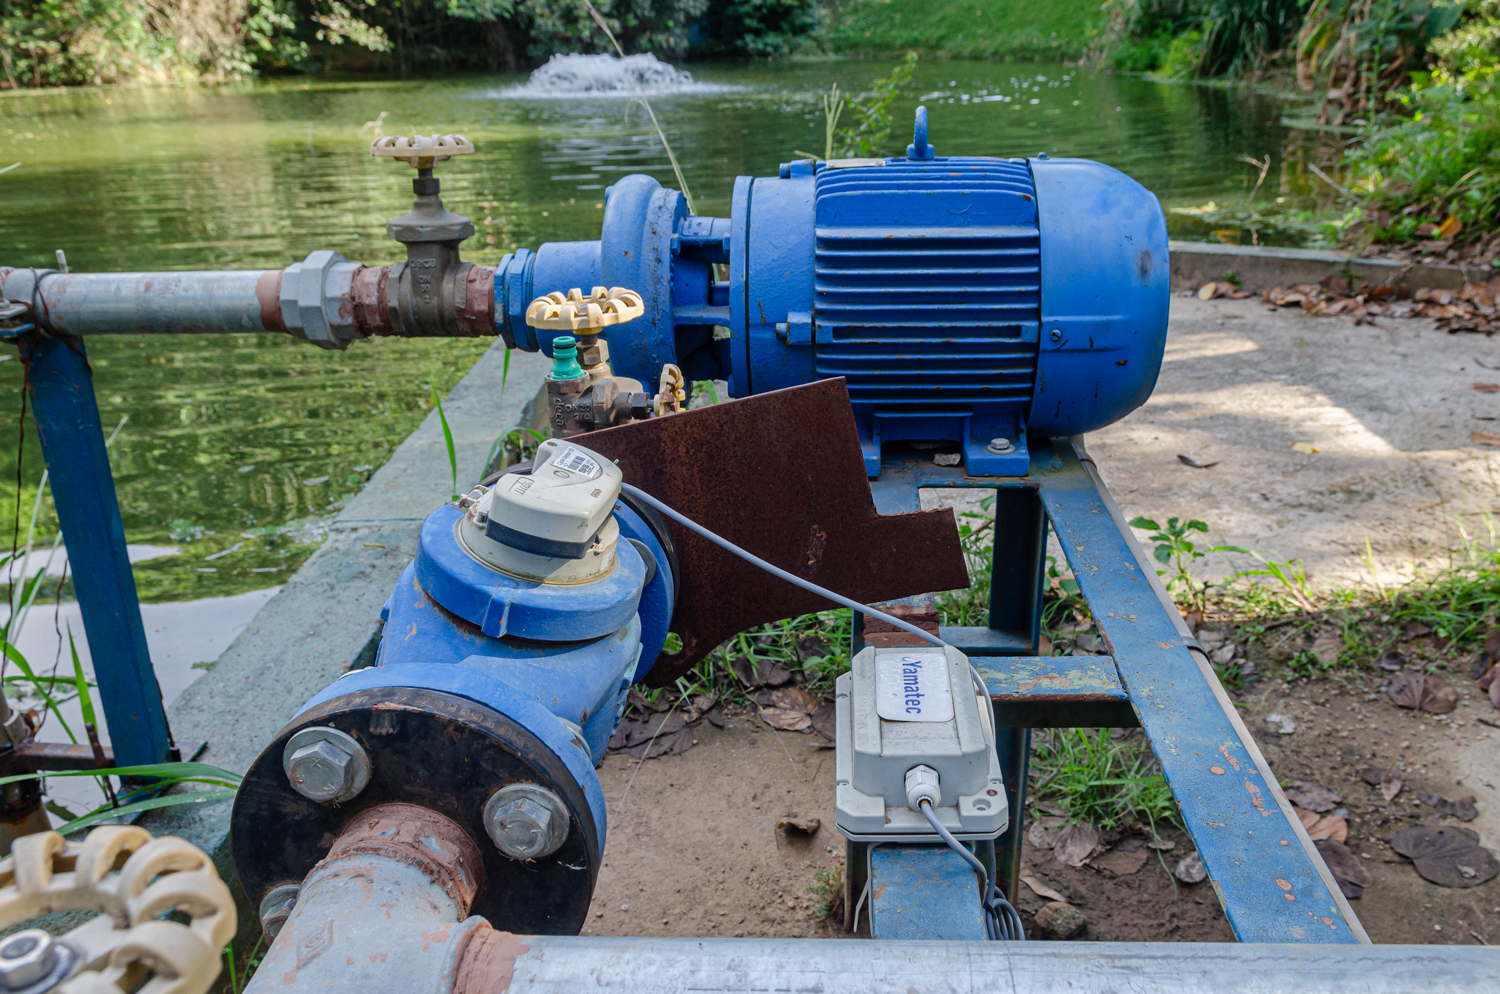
[(321, 771), (1000, 446), (26, 958), (526, 821)]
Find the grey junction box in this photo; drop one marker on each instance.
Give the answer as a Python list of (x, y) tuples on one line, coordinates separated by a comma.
[(910, 706)]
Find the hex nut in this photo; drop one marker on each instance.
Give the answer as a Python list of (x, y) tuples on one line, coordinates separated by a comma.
[(1000, 446), (526, 821), (27, 958), (277, 907), (324, 764)]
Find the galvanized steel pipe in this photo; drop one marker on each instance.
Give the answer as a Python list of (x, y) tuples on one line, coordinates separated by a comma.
[(497, 962), (210, 302)]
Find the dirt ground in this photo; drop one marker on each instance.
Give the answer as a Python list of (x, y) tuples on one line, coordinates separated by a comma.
[(693, 847)]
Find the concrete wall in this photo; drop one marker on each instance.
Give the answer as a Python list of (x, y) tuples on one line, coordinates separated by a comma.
[(1196, 263)]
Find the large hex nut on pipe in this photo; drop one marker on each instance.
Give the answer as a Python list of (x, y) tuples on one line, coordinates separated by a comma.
[(131, 882), (526, 821), (317, 300), (325, 764)]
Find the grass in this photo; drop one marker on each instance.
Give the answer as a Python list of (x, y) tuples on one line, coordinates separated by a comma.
[(827, 890), (967, 29), (1106, 777)]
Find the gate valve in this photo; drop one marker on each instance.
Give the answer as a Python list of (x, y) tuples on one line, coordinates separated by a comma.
[(432, 280), (582, 393)]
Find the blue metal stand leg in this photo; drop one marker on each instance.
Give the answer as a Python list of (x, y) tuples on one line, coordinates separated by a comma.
[(1013, 745), (1016, 604), (67, 420)]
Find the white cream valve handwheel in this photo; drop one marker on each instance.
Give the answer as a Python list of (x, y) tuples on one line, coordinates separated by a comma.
[(421, 151), (575, 312), (127, 942)]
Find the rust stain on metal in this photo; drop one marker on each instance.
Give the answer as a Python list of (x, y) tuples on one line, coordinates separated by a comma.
[(475, 311), (488, 961), (1285, 885), (1217, 771), (268, 293), (765, 472), (1255, 799), (1224, 749), (418, 837), (435, 936), (367, 299), (920, 610)]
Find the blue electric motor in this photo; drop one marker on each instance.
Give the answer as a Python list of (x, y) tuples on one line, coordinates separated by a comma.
[(964, 299)]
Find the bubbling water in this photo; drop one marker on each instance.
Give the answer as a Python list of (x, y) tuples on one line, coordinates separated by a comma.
[(607, 76)]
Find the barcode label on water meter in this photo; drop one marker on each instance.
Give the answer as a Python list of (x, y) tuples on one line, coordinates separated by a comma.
[(913, 686), (575, 461)]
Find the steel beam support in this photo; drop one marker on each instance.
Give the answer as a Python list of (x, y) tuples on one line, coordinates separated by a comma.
[(1273, 886), (67, 421)]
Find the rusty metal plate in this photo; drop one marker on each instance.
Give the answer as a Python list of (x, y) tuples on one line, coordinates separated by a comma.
[(780, 474)]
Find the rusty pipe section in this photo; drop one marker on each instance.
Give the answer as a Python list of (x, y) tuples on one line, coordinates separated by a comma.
[(384, 911), (325, 299)]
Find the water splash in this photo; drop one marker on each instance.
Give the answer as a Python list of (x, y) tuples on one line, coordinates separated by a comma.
[(567, 76)]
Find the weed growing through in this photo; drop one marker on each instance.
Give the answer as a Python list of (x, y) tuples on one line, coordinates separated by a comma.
[(827, 890)]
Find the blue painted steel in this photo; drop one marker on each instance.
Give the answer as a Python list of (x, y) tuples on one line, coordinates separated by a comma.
[(560, 267), (1055, 692), (660, 595), (513, 286), (923, 892), (67, 422), (1105, 285), (484, 688), (583, 683), (640, 220), (920, 150), (502, 605), (1270, 889)]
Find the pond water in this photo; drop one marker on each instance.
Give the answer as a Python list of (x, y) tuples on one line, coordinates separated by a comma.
[(236, 450)]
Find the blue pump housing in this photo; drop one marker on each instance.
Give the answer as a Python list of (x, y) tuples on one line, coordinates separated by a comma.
[(963, 298)]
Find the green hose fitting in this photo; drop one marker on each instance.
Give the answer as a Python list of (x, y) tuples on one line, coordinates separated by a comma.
[(565, 359)]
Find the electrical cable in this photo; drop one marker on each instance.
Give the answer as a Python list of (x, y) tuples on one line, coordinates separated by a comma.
[(1001, 920)]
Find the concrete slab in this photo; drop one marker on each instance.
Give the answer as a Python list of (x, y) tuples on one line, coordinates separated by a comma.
[(1196, 263)]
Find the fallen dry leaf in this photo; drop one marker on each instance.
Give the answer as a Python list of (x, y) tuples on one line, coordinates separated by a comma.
[(1075, 844), (1326, 647), (795, 699), (1040, 889), (1389, 781), (1447, 855), (1312, 796), (786, 721), (1451, 227), (1306, 448), (1044, 831), (1322, 826), (652, 735), (1207, 291), (1462, 808), (1423, 692), (1121, 864), (1484, 437), (1190, 869), (825, 721), (1346, 868), (1485, 387)]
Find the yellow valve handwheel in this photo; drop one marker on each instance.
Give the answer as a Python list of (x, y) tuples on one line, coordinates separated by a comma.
[(575, 312)]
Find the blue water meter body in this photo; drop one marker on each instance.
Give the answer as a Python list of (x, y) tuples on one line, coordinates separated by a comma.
[(963, 298)]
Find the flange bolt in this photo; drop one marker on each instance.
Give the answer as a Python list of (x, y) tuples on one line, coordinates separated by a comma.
[(325, 764), (1000, 447), (27, 958), (277, 907), (526, 821)]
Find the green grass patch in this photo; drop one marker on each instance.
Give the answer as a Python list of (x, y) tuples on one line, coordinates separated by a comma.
[(968, 29)]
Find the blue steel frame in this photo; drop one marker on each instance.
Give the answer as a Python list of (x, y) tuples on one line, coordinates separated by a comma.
[(67, 422), (1267, 874)]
